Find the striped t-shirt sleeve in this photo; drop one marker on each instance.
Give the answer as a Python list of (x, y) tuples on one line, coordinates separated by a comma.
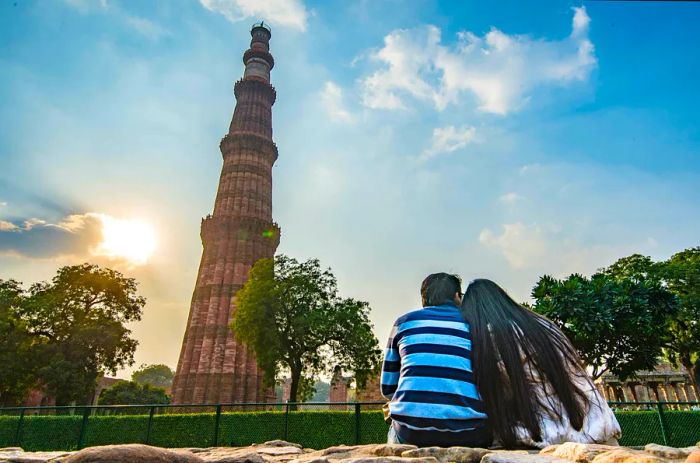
[(390, 367)]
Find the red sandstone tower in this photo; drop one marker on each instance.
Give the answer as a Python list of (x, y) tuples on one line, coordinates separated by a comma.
[(213, 366)]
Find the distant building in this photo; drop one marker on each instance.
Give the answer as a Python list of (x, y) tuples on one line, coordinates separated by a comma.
[(663, 384), (103, 383), (371, 392), (38, 398)]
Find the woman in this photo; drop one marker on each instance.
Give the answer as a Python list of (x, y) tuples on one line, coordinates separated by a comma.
[(533, 384)]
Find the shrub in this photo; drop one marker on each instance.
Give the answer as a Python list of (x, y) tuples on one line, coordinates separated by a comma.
[(312, 429)]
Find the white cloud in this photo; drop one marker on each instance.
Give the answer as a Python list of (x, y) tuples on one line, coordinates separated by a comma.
[(522, 245), (555, 249), (287, 13), (146, 28), (74, 235), (7, 226), (511, 198), (498, 69), (332, 100), (449, 139)]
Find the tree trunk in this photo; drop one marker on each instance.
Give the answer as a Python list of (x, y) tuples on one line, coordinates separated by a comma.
[(294, 387), (692, 369)]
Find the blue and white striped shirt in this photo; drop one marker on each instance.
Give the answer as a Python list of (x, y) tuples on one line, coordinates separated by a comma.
[(427, 376)]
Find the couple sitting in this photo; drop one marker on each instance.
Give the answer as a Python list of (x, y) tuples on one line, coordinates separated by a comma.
[(482, 370)]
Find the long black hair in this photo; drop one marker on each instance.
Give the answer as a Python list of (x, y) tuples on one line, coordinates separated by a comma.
[(508, 339)]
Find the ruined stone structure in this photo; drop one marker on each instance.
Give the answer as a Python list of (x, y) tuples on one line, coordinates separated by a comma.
[(214, 367), (664, 384)]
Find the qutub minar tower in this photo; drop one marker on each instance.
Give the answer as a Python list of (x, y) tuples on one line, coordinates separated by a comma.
[(214, 367)]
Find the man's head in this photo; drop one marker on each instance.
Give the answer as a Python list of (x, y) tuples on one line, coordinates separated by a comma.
[(441, 288)]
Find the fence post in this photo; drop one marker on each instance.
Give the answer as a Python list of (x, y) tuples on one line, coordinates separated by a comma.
[(286, 420), (18, 432), (357, 423), (662, 422), (150, 423), (216, 425), (83, 427)]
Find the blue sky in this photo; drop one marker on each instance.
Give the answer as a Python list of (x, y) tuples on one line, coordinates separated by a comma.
[(500, 140)]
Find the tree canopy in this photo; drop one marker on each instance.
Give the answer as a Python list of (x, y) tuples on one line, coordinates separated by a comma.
[(682, 275), (290, 314), (73, 327), (131, 393), (618, 319), (17, 347), (157, 375)]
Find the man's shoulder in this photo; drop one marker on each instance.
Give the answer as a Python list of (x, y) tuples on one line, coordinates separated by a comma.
[(430, 313), (415, 314)]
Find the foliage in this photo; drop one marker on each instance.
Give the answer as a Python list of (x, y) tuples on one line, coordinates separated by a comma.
[(315, 429), (133, 393), (617, 324), (682, 275), (158, 375), (290, 314), (17, 348), (73, 327)]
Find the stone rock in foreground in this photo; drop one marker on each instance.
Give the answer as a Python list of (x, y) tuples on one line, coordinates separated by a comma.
[(693, 457), (347, 452), (133, 453), (278, 443), (672, 453), (17, 455), (451, 454), (390, 460), (520, 457), (625, 455), (286, 452), (580, 453), (392, 450), (254, 454)]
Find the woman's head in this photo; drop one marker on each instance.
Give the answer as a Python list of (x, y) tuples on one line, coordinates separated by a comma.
[(511, 344)]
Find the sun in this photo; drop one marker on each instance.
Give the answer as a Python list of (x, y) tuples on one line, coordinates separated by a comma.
[(130, 239)]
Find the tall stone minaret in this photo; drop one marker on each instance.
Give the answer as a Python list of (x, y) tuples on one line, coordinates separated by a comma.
[(213, 366)]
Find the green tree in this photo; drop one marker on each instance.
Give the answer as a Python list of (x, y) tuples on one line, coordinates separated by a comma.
[(682, 275), (618, 325), (290, 314), (133, 393), (17, 347), (158, 375), (79, 318)]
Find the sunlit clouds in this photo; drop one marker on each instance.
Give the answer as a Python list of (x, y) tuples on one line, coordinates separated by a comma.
[(286, 13), (498, 69), (82, 236)]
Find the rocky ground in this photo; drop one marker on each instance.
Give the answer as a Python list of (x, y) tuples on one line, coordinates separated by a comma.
[(285, 452)]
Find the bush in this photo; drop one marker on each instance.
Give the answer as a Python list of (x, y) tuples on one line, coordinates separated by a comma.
[(312, 429)]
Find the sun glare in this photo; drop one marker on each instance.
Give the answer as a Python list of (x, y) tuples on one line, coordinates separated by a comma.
[(130, 239)]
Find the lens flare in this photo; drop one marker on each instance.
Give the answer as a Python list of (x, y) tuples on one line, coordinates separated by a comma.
[(131, 239)]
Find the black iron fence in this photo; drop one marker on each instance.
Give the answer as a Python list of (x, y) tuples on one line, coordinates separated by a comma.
[(313, 425)]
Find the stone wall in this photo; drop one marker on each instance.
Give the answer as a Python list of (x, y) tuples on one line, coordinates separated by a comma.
[(285, 452)]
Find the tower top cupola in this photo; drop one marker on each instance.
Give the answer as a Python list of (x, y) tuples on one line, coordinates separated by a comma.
[(257, 59)]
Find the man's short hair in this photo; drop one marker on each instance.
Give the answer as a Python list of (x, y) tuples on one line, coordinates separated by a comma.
[(440, 288)]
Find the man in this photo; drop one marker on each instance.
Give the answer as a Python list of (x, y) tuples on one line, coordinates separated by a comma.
[(427, 375)]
